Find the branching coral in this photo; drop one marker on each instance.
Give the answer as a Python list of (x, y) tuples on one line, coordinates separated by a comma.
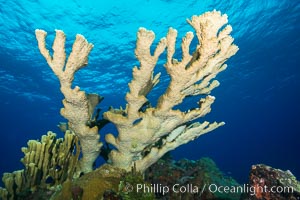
[(48, 162), (145, 136), (78, 106)]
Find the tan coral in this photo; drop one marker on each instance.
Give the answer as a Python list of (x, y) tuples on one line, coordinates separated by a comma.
[(78, 106), (146, 135), (49, 159)]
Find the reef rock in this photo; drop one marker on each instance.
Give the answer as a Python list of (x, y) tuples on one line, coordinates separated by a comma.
[(269, 183)]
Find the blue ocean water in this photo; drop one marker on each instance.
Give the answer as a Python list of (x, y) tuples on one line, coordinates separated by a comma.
[(258, 97)]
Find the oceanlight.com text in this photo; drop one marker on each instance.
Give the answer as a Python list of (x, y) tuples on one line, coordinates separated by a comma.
[(212, 188), (252, 190)]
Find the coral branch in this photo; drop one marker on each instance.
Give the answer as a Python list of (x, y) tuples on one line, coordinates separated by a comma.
[(147, 134), (48, 162), (78, 106)]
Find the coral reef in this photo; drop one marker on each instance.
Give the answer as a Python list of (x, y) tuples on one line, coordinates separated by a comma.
[(48, 163), (144, 136), (78, 106), (112, 183), (129, 181), (145, 133), (269, 183), (93, 185), (189, 174)]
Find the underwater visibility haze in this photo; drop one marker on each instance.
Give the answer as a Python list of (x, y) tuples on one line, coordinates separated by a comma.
[(258, 97)]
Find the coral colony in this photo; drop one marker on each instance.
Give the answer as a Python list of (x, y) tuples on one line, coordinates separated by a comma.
[(145, 134)]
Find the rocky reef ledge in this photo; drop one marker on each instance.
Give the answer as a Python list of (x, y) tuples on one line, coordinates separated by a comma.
[(169, 179)]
